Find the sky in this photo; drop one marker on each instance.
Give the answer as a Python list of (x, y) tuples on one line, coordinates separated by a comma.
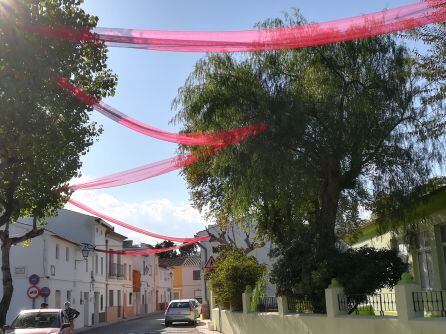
[(148, 81)]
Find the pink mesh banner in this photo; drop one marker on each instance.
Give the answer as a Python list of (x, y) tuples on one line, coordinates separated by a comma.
[(154, 251), (138, 174), (128, 226), (209, 138), (341, 30)]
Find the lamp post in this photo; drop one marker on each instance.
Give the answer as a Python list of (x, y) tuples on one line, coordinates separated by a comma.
[(86, 248)]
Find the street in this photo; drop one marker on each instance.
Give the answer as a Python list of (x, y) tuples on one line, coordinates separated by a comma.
[(153, 323)]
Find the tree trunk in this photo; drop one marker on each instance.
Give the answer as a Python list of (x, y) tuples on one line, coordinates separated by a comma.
[(7, 281), (328, 207)]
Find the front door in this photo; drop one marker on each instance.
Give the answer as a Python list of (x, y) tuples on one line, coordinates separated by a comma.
[(119, 303), (86, 308)]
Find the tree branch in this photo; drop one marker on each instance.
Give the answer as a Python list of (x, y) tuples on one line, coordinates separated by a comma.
[(35, 232)]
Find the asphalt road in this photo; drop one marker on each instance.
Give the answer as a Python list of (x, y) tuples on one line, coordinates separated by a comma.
[(153, 323)]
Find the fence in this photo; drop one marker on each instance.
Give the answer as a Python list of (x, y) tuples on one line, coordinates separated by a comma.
[(304, 304), (378, 304), (267, 304), (431, 303)]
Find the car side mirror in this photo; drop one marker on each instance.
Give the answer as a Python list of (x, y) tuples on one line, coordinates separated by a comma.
[(6, 327), (66, 325)]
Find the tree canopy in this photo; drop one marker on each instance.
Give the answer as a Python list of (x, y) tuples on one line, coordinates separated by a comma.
[(345, 129), (44, 131)]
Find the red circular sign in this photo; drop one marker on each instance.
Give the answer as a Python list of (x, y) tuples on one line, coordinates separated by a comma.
[(33, 292)]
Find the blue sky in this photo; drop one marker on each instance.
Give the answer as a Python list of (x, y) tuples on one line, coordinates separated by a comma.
[(148, 82)]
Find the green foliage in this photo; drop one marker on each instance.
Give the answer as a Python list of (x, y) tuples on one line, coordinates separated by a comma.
[(44, 130), (345, 129), (258, 292), (234, 271), (184, 251), (360, 271)]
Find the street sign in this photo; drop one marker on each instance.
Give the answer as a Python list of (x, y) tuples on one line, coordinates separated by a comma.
[(210, 263), (33, 292), (45, 292), (34, 279)]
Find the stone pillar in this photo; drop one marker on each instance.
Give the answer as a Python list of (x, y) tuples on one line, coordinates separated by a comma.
[(404, 300), (334, 290), (246, 301), (282, 305)]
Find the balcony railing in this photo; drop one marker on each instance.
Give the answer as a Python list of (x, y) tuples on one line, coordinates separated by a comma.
[(267, 304), (431, 302), (379, 304)]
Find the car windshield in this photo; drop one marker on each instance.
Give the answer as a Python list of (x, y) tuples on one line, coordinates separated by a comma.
[(37, 320), (179, 305)]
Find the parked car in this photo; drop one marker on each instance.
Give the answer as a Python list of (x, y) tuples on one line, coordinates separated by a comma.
[(197, 306), (39, 321), (180, 311)]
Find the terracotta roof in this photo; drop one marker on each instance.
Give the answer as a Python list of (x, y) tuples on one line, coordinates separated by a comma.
[(193, 260)]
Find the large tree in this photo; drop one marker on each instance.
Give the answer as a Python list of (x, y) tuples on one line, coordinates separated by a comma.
[(43, 130), (344, 129)]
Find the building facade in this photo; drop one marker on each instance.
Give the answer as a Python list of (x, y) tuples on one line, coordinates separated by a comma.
[(102, 287), (187, 280)]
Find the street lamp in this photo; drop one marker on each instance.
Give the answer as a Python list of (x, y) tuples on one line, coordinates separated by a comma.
[(85, 249)]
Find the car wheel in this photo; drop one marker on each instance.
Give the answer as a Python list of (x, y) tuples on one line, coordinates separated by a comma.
[(166, 323)]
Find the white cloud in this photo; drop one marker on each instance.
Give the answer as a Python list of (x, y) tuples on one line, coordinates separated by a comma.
[(159, 216)]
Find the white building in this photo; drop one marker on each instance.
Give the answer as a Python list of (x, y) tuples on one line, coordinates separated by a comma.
[(100, 286), (143, 278), (164, 285), (60, 267)]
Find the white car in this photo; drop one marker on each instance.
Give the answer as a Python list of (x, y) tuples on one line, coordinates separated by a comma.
[(39, 321), (182, 310)]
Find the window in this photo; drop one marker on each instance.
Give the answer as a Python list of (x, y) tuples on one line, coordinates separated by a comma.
[(69, 295), (80, 299), (196, 275), (110, 298), (53, 270), (102, 266), (96, 259), (130, 298), (125, 271), (102, 302), (130, 271), (67, 254), (86, 265), (425, 260), (97, 231), (57, 251)]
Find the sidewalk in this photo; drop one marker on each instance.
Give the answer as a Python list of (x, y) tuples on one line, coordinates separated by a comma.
[(203, 327), (105, 324)]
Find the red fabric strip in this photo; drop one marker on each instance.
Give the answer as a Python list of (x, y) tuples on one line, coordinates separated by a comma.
[(383, 22), (207, 138), (154, 251), (131, 227)]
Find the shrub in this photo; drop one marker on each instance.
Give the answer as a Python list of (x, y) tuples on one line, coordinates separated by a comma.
[(234, 271)]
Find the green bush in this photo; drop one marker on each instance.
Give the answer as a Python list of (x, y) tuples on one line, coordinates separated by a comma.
[(234, 271)]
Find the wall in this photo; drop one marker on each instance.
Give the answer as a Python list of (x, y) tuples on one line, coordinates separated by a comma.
[(268, 323)]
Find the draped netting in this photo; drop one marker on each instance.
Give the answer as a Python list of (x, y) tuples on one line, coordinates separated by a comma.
[(131, 227), (368, 25), (153, 251), (216, 138), (138, 174)]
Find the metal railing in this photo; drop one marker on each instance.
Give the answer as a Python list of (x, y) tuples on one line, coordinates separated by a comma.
[(299, 304), (112, 270), (267, 304), (433, 302), (379, 304)]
